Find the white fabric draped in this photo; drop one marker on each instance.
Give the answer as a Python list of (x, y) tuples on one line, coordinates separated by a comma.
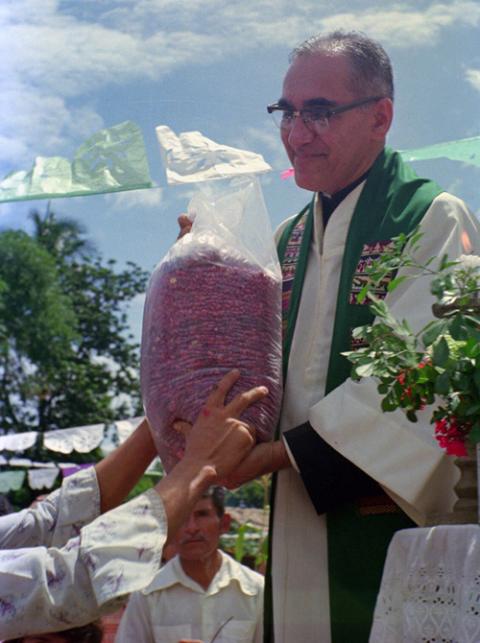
[(431, 587)]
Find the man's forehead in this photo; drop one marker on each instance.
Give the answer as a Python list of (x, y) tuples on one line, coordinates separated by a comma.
[(317, 79)]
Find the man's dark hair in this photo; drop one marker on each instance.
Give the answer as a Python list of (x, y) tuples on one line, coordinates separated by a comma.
[(217, 496), (372, 73)]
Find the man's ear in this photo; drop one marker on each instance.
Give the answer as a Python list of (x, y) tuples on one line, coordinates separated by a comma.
[(225, 522), (382, 118)]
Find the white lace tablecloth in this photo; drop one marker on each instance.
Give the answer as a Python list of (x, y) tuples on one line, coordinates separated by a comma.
[(430, 591)]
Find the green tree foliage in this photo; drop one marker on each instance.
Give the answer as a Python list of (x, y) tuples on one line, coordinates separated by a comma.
[(66, 356)]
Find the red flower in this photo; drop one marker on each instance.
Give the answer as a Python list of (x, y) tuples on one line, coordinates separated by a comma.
[(424, 362), (451, 436)]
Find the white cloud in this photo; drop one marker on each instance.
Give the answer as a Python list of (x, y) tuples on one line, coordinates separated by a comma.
[(473, 77), (403, 26), (149, 198)]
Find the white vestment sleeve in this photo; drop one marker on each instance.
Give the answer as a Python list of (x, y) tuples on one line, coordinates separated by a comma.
[(50, 589), (57, 518), (402, 456)]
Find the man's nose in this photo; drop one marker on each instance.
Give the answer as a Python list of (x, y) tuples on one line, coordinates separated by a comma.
[(191, 525), (299, 134)]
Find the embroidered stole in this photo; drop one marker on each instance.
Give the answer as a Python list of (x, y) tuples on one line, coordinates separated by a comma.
[(394, 200)]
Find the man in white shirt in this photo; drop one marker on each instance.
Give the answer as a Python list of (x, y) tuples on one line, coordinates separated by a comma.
[(201, 593)]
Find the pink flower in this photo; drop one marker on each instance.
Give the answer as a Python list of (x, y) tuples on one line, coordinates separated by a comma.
[(286, 174)]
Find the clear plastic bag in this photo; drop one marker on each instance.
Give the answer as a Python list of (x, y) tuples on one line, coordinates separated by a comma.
[(213, 303)]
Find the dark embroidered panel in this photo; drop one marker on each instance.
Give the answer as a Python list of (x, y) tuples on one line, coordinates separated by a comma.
[(370, 252)]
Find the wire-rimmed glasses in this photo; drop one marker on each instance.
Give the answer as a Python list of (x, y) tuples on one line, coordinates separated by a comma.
[(316, 118)]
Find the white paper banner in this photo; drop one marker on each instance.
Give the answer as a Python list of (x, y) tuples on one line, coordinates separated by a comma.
[(81, 439), (11, 480), (20, 462), (42, 478), (192, 157), (18, 441), (126, 427)]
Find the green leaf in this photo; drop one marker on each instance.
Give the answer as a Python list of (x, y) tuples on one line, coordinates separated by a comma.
[(396, 282), (472, 410), (472, 348), (445, 263), (441, 352), (388, 405), (457, 328), (365, 370), (239, 549), (412, 416), (363, 293), (474, 435), (442, 384), (434, 330)]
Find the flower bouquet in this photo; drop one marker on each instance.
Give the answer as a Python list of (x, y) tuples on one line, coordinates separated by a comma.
[(437, 366), (440, 364)]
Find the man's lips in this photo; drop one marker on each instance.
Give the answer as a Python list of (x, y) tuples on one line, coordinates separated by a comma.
[(308, 157)]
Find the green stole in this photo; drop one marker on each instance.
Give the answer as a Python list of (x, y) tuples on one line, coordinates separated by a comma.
[(394, 200)]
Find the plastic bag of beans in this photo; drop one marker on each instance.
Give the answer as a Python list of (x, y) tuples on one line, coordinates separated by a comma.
[(213, 303)]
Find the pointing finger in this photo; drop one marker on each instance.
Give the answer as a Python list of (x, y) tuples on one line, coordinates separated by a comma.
[(219, 393), (242, 401)]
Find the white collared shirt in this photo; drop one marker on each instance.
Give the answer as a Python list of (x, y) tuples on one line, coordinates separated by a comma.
[(174, 607)]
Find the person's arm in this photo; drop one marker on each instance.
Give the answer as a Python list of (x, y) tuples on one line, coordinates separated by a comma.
[(45, 590), (57, 518), (82, 497), (264, 458), (120, 471)]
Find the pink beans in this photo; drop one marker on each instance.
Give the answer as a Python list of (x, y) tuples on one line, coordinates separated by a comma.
[(202, 318)]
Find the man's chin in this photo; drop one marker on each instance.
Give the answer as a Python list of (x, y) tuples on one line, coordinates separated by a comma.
[(306, 182)]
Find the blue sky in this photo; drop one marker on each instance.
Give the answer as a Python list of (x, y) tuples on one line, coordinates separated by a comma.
[(71, 67)]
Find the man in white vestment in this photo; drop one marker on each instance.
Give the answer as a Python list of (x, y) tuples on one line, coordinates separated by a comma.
[(346, 471)]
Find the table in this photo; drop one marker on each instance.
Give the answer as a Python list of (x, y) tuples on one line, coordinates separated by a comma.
[(430, 590)]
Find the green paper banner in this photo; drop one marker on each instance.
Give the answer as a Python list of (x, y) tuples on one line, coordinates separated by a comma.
[(112, 160), (466, 150), (11, 480)]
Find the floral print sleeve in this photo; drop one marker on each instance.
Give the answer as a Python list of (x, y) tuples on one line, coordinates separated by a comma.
[(57, 518), (50, 589)]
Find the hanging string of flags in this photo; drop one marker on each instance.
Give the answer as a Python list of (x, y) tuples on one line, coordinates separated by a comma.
[(41, 475), (112, 160), (115, 159)]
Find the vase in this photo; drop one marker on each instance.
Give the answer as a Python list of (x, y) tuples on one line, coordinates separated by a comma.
[(465, 509)]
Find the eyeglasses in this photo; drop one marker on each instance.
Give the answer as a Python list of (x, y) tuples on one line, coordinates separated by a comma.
[(316, 118)]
